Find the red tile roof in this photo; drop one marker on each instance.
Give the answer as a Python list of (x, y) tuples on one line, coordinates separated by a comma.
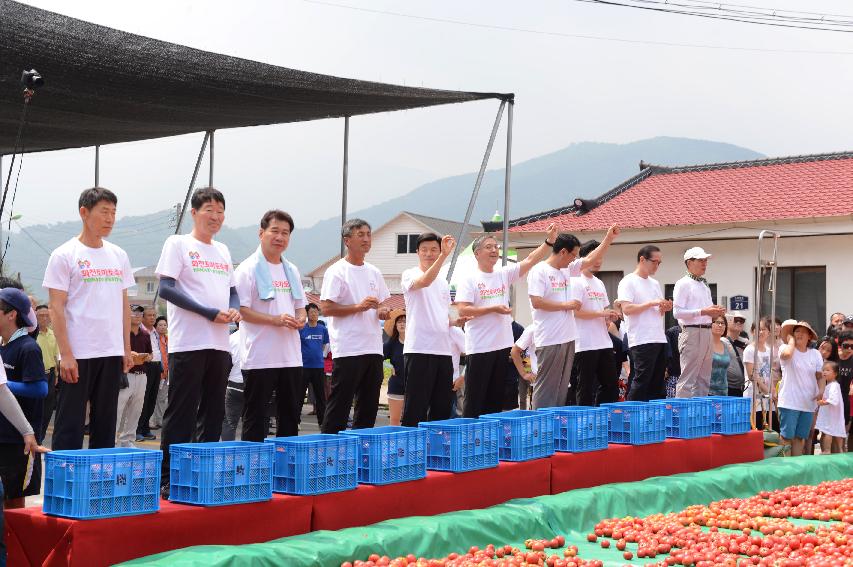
[(394, 302), (771, 189)]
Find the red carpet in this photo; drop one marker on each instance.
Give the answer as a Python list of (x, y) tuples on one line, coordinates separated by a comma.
[(35, 539)]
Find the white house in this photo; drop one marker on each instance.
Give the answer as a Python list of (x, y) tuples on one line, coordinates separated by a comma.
[(393, 249), (722, 208)]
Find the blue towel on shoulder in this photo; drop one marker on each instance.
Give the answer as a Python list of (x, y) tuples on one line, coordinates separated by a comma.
[(263, 278)]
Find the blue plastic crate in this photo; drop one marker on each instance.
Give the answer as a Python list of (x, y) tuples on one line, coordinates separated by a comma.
[(314, 464), (214, 474), (101, 483), (730, 415), (524, 435), (636, 423), (578, 429), (462, 444), (390, 454), (687, 418)]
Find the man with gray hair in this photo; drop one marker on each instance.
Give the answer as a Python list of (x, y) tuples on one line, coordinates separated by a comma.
[(350, 298), (484, 295)]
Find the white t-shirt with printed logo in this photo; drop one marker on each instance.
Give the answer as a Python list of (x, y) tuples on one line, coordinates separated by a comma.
[(487, 333), (348, 284), (553, 284), (592, 333), (205, 273), (268, 346), (95, 280), (427, 315), (646, 326)]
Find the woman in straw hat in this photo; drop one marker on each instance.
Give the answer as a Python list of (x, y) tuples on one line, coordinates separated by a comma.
[(395, 328), (801, 370)]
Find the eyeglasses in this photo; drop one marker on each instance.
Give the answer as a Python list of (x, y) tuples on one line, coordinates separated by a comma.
[(719, 322), (655, 262), (847, 346)]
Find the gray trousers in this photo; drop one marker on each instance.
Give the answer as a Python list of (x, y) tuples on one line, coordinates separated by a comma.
[(233, 410), (555, 369), (696, 352)]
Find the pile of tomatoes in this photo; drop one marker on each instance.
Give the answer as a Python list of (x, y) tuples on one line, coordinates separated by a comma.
[(735, 532), (490, 556)]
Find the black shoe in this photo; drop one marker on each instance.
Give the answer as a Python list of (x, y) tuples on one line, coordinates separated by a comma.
[(149, 436), (164, 492)]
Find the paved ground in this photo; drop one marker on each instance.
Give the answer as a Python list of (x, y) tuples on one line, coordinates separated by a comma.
[(308, 426)]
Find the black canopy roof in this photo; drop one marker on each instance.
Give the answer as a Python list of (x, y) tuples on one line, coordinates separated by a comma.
[(104, 86)]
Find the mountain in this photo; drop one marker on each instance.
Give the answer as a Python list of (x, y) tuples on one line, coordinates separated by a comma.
[(585, 169)]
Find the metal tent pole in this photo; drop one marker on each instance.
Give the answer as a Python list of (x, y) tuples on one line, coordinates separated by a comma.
[(192, 181), (97, 165), (210, 175), (507, 179), (476, 191), (189, 194), (345, 179)]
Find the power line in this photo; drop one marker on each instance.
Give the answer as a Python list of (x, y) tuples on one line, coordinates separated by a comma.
[(762, 19), (532, 31)]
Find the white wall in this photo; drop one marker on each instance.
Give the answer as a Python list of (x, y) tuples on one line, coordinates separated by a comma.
[(383, 252), (733, 267)]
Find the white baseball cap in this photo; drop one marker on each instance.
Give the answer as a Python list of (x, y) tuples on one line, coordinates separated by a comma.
[(696, 253)]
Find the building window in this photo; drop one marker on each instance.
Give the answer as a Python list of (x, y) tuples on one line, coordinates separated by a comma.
[(670, 319), (150, 287), (407, 243), (800, 295), (611, 283)]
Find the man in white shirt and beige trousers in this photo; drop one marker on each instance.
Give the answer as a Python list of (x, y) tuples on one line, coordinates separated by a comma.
[(695, 310)]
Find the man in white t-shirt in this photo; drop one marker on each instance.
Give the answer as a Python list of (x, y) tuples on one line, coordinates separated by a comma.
[(427, 349), (598, 379), (87, 280), (351, 297), (483, 295), (272, 304), (553, 304), (197, 281), (641, 300), (694, 308)]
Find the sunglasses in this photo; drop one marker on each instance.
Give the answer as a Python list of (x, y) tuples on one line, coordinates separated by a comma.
[(847, 346)]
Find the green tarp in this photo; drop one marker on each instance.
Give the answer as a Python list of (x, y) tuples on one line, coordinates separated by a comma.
[(572, 513)]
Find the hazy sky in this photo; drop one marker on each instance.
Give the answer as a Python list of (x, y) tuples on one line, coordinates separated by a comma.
[(568, 89)]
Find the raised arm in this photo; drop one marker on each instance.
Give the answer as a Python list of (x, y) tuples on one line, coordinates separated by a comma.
[(447, 245), (601, 249), (537, 255)]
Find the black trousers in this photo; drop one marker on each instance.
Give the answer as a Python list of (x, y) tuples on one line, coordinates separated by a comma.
[(49, 403), (196, 408), (316, 378), (152, 386), (598, 382), (354, 379), (649, 362), (429, 388), (484, 382), (98, 384), (259, 386), (736, 392)]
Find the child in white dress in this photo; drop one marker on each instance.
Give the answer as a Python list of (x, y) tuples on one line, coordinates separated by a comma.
[(830, 416)]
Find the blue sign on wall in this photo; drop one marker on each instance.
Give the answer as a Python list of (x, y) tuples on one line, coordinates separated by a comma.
[(738, 303)]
